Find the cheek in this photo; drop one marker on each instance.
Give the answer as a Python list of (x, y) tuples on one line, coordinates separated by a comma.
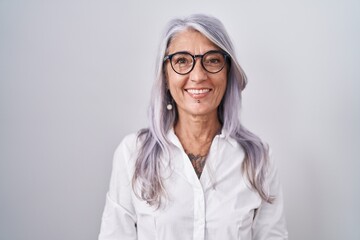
[(222, 91), (175, 89), (169, 78), (175, 82), (171, 82), (223, 84), (221, 94)]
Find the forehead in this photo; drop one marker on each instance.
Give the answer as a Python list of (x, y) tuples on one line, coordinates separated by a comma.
[(191, 41)]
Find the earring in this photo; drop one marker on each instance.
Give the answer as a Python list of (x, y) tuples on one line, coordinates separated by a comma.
[(169, 106)]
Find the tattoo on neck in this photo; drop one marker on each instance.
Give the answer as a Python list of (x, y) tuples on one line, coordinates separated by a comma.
[(198, 163)]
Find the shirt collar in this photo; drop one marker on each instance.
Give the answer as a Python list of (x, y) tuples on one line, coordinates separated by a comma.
[(223, 136)]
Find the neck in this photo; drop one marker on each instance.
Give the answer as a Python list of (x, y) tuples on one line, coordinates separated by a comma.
[(197, 128)]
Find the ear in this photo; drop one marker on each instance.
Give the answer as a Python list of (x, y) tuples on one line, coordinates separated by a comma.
[(166, 81), (168, 95), (166, 84), (166, 78)]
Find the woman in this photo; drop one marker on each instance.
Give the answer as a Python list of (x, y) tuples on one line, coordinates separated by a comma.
[(196, 172)]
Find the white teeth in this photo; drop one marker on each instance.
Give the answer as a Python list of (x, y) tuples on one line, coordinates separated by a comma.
[(198, 91)]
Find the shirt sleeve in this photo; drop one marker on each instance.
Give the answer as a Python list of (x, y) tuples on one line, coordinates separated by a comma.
[(269, 222), (119, 218)]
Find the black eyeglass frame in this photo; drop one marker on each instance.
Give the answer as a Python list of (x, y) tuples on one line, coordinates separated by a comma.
[(170, 56)]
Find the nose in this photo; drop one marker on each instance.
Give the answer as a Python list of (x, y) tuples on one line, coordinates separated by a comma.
[(198, 74)]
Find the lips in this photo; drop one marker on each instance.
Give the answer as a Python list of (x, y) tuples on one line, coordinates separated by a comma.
[(198, 93)]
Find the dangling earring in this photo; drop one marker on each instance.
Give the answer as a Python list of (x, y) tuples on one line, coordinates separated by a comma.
[(169, 106)]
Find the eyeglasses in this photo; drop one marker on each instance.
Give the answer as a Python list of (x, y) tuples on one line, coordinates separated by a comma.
[(183, 62)]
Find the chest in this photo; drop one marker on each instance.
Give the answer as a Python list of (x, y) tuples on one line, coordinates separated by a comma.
[(220, 201)]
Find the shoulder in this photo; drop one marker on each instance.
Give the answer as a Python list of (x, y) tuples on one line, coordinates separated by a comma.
[(128, 148), (129, 141), (271, 165)]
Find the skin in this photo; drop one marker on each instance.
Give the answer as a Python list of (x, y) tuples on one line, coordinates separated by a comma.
[(198, 122)]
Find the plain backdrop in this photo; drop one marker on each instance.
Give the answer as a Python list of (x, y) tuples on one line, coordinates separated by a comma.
[(75, 78)]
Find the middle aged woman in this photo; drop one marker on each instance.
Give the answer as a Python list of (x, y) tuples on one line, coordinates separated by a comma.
[(196, 172)]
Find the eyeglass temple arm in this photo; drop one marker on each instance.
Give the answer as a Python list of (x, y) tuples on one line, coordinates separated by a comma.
[(166, 58)]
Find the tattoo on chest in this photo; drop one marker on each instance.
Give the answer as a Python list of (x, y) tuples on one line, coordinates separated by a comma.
[(198, 163)]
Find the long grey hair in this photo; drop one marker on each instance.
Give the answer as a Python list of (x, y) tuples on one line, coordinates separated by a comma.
[(147, 179)]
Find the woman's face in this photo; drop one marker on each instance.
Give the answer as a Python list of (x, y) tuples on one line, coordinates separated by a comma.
[(198, 92)]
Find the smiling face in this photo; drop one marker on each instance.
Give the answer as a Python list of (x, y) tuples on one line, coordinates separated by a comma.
[(199, 92)]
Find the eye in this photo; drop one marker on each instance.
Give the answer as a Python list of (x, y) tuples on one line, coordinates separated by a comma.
[(182, 60), (214, 59)]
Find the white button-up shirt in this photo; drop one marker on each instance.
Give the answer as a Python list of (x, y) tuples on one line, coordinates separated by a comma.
[(218, 206)]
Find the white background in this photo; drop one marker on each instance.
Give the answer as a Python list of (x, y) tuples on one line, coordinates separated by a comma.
[(75, 78)]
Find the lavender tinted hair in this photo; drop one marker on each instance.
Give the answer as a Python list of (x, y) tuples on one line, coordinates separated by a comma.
[(147, 179)]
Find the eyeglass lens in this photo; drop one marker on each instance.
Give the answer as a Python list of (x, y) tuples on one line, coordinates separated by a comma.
[(183, 63)]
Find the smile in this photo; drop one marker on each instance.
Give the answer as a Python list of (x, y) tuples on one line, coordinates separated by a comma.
[(198, 91)]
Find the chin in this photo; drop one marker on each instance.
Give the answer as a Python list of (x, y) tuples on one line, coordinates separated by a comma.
[(201, 111)]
